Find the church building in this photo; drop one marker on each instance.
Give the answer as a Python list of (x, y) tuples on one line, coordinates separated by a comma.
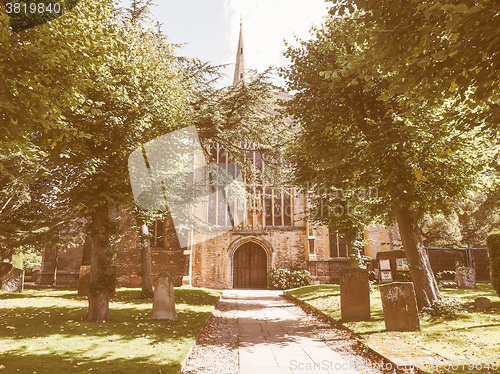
[(271, 233)]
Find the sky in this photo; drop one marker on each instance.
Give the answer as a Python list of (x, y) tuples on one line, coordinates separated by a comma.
[(209, 29)]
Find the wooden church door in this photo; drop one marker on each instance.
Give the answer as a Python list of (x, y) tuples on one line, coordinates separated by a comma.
[(250, 267)]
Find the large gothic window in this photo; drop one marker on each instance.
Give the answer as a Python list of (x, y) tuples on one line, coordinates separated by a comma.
[(266, 206)]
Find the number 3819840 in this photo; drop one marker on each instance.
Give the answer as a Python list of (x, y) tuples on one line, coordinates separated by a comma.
[(33, 8)]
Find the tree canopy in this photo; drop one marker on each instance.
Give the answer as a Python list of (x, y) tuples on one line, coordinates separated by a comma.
[(361, 129), (433, 51)]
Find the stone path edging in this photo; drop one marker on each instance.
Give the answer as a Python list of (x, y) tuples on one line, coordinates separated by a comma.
[(320, 314), (202, 333)]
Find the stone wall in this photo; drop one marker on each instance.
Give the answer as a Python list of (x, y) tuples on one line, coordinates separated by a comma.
[(128, 263), (212, 257), (327, 271)]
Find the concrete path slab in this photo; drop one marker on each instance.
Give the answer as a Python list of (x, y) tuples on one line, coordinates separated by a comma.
[(273, 339)]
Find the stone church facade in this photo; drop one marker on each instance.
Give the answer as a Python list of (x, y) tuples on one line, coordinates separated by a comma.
[(270, 233)]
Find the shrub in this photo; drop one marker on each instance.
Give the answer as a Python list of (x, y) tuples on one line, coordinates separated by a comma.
[(284, 279), (446, 275), (277, 278), (493, 242), (441, 310), (298, 278), (26, 258)]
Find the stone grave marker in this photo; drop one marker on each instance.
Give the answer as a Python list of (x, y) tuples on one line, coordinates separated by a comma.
[(354, 295), (465, 277), (400, 306), (163, 299), (482, 303), (84, 281), (12, 281)]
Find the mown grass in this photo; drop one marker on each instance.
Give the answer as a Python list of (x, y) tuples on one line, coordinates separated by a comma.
[(474, 336), (44, 331)]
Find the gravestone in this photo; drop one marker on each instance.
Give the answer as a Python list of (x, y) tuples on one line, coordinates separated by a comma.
[(163, 299), (400, 306), (354, 295), (13, 281), (465, 277), (482, 303), (84, 281)]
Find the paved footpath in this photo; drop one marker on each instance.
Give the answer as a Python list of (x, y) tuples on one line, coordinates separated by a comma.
[(274, 339)]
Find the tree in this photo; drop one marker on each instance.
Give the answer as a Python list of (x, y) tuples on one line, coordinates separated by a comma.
[(353, 135), (468, 225), (43, 70), (441, 49), (493, 241), (136, 92), (146, 273)]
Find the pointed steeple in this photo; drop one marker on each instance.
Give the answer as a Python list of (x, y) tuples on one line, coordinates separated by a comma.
[(239, 69)]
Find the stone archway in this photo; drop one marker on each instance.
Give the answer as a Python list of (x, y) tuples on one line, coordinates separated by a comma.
[(250, 262)]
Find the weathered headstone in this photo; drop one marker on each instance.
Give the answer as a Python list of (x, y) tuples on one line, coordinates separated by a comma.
[(354, 295), (465, 277), (163, 299), (84, 281), (400, 306), (482, 303), (13, 281)]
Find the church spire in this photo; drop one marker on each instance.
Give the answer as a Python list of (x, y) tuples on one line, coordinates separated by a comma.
[(239, 69)]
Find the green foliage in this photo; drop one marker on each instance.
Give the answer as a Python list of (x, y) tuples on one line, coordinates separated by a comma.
[(444, 310), (445, 274), (453, 54), (285, 279), (372, 143), (17, 261), (467, 227), (493, 242), (83, 92), (30, 257), (45, 68)]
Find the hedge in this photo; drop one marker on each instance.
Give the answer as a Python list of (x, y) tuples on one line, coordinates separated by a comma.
[(493, 242)]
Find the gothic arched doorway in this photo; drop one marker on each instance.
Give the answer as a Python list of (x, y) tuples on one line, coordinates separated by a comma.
[(250, 266)]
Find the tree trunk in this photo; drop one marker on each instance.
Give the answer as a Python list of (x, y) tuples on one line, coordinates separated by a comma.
[(102, 272), (353, 253), (6, 255), (426, 289), (147, 277)]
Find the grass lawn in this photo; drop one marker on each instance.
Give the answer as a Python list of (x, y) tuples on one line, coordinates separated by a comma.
[(43, 331), (473, 336)]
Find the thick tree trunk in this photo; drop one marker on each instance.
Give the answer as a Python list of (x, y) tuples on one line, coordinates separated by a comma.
[(102, 272), (426, 288), (6, 255), (147, 277)]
